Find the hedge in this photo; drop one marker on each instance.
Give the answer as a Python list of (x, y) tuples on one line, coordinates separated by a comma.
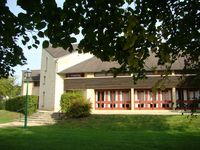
[(69, 97), (17, 104), (79, 109), (74, 105), (2, 104)]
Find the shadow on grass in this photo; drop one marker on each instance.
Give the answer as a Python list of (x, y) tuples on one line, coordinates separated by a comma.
[(101, 132), (132, 122)]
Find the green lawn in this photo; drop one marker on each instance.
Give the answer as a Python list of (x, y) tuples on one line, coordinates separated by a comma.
[(109, 132), (7, 116)]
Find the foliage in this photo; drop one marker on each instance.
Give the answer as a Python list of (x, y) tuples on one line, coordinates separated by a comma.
[(74, 105), (2, 104), (8, 88), (121, 30), (108, 132), (68, 98), (17, 104), (79, 109)]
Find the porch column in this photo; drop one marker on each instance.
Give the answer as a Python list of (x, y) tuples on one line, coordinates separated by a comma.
[(174, 97), (90, 96), (132, 98)]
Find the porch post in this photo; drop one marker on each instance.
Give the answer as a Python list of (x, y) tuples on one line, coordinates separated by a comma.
[(132, 98), (174, 97), (90, 96)]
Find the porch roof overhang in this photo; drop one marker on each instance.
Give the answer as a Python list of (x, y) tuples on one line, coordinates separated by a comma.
[(127, 83)]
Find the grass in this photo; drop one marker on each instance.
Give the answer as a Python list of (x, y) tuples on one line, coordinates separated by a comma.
[(8, 116), (109, 132)]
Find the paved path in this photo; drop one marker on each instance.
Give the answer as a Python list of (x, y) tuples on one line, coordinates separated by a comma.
[(21, 124)]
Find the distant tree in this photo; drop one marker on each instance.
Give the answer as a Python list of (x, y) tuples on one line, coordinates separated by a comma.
[(120, 30), (8, 89)]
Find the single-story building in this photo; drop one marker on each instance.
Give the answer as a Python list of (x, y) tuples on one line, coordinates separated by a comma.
[(63, 71)]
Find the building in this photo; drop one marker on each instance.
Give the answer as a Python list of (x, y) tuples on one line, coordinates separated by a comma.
[(63, 71), (34, 83)]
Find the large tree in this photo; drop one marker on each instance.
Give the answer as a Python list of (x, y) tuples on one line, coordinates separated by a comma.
[(118, 30), (8, 88)]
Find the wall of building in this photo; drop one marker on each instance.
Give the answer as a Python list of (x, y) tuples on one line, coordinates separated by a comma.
[(62, 64), (47, 82), (51, 82)]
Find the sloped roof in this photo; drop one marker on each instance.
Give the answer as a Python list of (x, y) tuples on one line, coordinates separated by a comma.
[(91, 65), (59, 51), (152, 62), (35, 75), (96, 65)]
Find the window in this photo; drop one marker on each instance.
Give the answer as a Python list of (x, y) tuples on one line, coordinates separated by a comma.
[(46, 64), (44, 80), (147, 99), (113, 99), (141, 95), (74, 75), (36, 83)]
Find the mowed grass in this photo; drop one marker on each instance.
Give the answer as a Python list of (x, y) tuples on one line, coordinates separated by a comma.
[(8, 116), (108, 132)]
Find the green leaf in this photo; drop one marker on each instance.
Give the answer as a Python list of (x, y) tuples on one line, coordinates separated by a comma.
[(41, 34), (37, 42), (45, 44), (34, 37), (72, 40), (23, 42), (34, 45), (40, 25)]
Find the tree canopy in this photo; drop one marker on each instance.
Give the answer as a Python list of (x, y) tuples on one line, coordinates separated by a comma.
[(8, 88), (113, 30)]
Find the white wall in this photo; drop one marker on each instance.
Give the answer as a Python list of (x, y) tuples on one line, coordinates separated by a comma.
[(62, 64), (47, 82), (71, 60), (53, 87), (32, 90)]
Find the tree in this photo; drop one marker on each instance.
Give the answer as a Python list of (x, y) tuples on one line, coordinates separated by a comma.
[(121, 30), (8, 88)]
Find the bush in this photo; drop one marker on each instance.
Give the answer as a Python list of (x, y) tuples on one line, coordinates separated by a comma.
[(69, 97), (79, 109), (74, 105), (2, 104), (17, 104)]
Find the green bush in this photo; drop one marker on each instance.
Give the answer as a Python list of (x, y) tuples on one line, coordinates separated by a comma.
[(69, 97), (2, 104), (17, 104), (79, 109), (74, 105)]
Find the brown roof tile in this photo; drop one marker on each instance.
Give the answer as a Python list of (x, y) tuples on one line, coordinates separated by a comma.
[(96, 65), (59, 52)]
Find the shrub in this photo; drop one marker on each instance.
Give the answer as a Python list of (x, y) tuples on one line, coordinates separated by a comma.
[(2, 104), (74, 105), (69, 97), (17, 104), (79, 109)]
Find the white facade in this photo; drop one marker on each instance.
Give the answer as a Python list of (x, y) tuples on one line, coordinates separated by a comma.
[(52, 83)]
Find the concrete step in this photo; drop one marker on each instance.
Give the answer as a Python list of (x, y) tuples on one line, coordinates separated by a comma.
[(42, 117)]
